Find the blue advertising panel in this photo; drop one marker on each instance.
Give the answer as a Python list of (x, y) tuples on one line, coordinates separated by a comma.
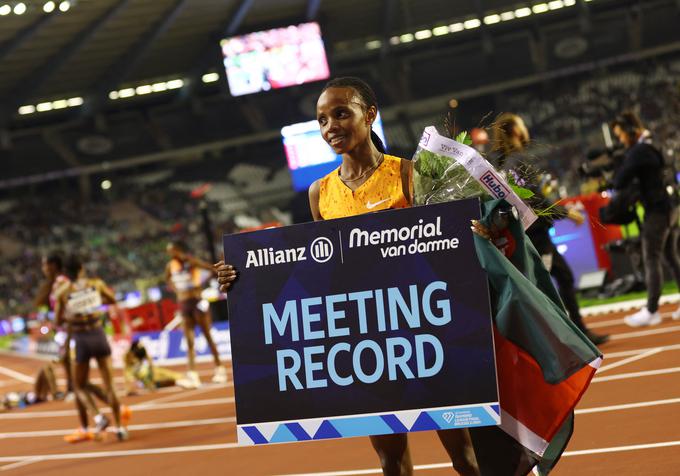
[(576, 244), (374, 324), (171, 346)]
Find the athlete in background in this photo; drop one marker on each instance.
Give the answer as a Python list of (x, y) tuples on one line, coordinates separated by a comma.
[(79, 306), (183, 276)]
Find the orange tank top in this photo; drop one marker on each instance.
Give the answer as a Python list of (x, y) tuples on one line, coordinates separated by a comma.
[(184, 276), (383, 190)]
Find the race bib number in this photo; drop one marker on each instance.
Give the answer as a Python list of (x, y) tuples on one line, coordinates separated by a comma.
[(85, 301), (182, 281)]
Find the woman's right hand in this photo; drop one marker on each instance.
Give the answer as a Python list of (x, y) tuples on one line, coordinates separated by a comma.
[(226, 275)]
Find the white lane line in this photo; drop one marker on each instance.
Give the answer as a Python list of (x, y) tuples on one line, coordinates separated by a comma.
[(628, 360), (627, 406), (19, 464), (353, 472), (626, 353), (613, 322), (97, 380), (177, 396), (643, 373), (593, 311), (616, 322), (423, 467), (616, 449), (650, 332), (140, 427), (108, 454), (16, 375), (139, 407)]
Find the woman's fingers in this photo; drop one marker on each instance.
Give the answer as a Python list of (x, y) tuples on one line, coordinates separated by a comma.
[(225, 277), (480, 229), (222, 269)]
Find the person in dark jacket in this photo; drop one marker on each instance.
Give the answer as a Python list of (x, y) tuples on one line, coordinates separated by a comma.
[(644, 165)]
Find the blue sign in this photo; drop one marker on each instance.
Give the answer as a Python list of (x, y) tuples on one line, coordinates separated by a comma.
[(368, 325), (171, 346)]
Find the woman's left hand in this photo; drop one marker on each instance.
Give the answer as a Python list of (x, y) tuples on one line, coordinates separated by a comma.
[(481, 230)]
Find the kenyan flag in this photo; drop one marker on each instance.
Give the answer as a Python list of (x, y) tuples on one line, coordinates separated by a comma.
[(544, 362)]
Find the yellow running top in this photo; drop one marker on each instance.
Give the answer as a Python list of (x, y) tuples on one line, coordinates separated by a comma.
[(382, 190)]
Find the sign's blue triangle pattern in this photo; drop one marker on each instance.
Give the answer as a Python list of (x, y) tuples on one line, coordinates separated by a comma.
[(282, 435), (365, 425), (298, 431), (255, 435), (394, 423), (326, 430), (424, 422)]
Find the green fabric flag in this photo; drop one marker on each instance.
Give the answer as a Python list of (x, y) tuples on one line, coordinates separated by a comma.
[(544, 362)]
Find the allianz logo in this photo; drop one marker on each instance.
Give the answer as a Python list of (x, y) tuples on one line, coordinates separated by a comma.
[(321, 250)]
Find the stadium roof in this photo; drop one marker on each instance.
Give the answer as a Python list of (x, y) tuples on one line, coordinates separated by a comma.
[(59, 70)]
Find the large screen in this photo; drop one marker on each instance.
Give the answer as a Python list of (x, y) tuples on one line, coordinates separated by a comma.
[(309, 156), (274, 59)]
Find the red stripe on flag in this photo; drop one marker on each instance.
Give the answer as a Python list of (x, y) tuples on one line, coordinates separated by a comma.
[(527, 397)]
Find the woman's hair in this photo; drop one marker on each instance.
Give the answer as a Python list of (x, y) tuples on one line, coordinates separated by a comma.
[(367, 96), (56, 259), (180, 245), (629, 122), (503, 128), (72, 267)]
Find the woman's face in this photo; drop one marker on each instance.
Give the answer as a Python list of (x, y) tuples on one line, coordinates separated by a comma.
[(343, 120), (521, 134), (173, 251)]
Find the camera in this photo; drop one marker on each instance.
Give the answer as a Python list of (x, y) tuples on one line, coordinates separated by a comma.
[(601, 163)]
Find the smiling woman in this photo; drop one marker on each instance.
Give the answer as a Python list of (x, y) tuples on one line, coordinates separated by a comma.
[(368, 179)]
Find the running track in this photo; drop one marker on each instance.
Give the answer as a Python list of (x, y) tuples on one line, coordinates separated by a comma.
[(628, 423)]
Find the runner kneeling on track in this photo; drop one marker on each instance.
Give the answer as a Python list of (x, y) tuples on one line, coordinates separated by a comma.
[(79, 306), (140, 371)]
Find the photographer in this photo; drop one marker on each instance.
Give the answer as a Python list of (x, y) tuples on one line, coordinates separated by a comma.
[(645, 163)]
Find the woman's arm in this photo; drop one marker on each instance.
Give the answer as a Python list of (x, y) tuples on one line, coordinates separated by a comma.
[(107, 293), (407, 180), (314, 201), (199, 263), (59, 309)]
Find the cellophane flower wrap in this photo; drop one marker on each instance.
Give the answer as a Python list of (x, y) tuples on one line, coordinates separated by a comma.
[(445, 170)]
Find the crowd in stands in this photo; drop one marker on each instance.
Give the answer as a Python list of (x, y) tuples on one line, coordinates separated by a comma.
[(123, 236), (122, 241), (566, 116)]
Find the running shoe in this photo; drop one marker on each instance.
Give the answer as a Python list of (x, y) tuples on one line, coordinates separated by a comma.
[(101, 423), (125, 415), (191, 380), (122, 434), (643, 318), (79, 436), (220, 375), (676, 314)]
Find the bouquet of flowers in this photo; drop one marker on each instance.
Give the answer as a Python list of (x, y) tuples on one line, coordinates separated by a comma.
[(447, 169)]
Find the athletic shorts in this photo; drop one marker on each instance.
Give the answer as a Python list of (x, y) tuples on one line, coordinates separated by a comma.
[(90, 343), (189, 309)]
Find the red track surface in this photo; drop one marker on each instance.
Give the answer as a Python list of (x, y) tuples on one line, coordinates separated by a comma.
[(186, 432)]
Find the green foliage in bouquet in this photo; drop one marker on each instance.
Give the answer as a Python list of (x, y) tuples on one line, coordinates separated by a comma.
[(438, 178), (522, 192)]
